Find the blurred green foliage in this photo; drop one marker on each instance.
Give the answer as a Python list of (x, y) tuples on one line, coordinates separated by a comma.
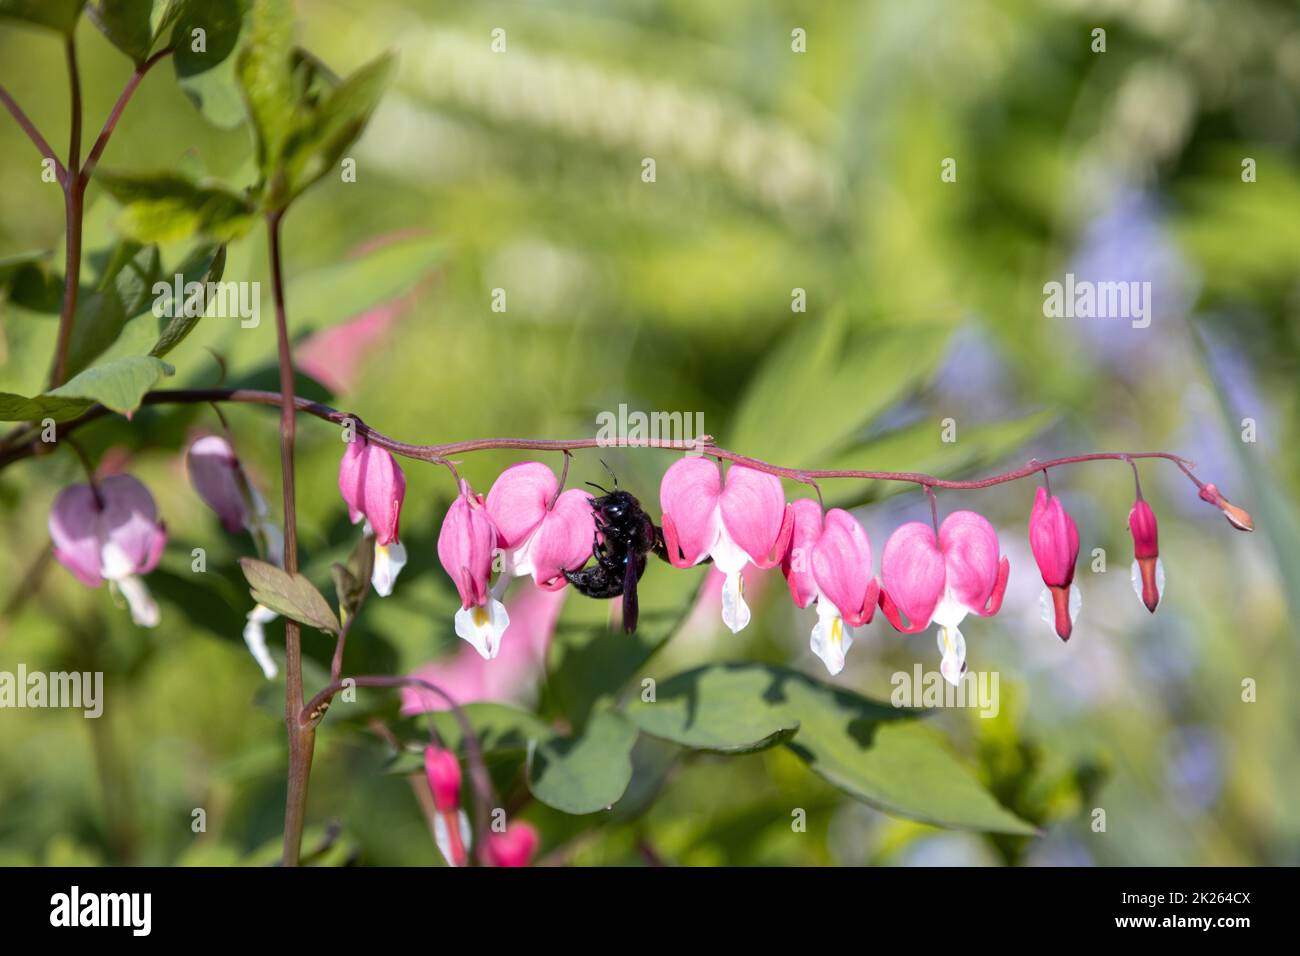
[(775, 171)]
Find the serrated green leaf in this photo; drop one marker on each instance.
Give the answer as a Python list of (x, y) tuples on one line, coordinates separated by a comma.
[(874, 752), (166, 207), (290, 595), (118, 385), (205, 264), (60, 15), (587, 772), (207, 74), (134, 26)]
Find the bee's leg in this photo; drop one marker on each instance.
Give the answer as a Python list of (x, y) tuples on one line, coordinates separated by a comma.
[(595, 582), (660, 547)]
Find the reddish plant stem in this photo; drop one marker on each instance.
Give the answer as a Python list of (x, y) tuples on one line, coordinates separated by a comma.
[(28, 127), (74, 191), (302, 735), (440, 454), (110, 124)]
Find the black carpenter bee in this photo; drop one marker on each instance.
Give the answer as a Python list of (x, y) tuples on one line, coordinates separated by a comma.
[(624, 536)]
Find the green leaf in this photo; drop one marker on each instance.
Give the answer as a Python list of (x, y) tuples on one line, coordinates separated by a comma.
[(722, 710), (134, 26), (290, 595), (118, 385), (166, 206), (591, 661), (17, 408), (352, 581), (826, 364), (872, 751), (60, 15), (503, 732), (207, 75), (327, 296), (205, 264), (122, 290), (27, 281), (322, 136), (266, 76), (587, 772)]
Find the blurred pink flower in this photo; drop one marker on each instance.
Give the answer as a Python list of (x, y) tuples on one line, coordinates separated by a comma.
[(111, 533), (515, 847), (467, 677)]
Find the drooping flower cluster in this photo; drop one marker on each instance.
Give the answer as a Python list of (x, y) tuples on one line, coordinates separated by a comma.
[(929, 574)]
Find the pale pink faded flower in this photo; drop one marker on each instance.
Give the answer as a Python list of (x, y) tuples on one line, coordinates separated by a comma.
[(111, 532)]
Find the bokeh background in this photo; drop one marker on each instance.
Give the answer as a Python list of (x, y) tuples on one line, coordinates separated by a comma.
[(775, 171)]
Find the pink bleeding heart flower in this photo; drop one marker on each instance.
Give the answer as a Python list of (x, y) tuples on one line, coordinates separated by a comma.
[(540, 534), (1054, 540), (466, 543), (744, 522), (829, 562), (451, 830), (943, 580), (373, 485), (1148, 571), (111, 532), (515, 847)]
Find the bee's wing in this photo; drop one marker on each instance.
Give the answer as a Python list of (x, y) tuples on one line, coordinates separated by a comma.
[(630, 607)]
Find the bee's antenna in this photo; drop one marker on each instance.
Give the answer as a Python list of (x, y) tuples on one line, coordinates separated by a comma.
[(611, 473), (597, 487)]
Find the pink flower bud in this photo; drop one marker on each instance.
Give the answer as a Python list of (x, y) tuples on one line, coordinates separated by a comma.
[(443, 772), (465, 546), (110, 533), (214, 473), (1239, 518), (373, 485), (1148, 570), (515, 847), (1054, 540)]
